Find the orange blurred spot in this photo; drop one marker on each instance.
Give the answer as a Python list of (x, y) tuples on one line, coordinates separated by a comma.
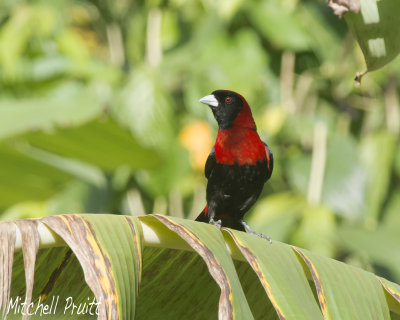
[(197, 139)]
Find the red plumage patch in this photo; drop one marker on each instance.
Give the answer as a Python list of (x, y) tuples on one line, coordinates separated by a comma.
[(240, 145), (205, 209), (244, 119), (241, 142)]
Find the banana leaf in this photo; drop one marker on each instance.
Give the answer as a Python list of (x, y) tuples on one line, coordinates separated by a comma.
[(160, 267)]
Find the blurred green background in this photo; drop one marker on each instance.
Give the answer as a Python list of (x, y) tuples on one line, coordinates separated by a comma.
[(99, 112)]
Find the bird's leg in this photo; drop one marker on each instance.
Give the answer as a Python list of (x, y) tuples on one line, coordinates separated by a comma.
[(251, 231), (217, 223)]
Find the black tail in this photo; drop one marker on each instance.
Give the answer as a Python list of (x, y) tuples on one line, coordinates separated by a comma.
[(203, 215), (227, 221)]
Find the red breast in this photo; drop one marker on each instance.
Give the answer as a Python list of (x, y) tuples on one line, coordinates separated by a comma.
[(240, 145)]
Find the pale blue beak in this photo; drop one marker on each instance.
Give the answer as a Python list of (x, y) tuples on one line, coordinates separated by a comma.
[(210, 100)]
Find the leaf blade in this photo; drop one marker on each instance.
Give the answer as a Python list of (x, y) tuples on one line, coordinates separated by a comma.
[(208, 242), (345, 292), (281, 275)]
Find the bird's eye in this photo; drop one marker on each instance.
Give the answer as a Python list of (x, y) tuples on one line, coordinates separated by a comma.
[(228, 100)]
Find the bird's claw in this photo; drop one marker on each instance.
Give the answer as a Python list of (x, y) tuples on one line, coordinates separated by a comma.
[(251, 231), (217, 223), (261, 235)]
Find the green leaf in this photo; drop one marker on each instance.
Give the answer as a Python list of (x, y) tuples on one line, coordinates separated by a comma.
[(218, 66), (158, 266), (169, 176), (143, 106), (277, 214), (14, 36), (27, 179), (112, 265), (284, 282), (208, 242), (377, 154), (101, 143), (189, 283), (380, 246), (345, 292), (316, 230), (377, 30), (69, 104), (394, 290), (344, 179), (280, 24)]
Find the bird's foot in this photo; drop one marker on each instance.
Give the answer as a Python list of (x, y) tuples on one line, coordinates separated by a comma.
[(251, 231), (217, 223)]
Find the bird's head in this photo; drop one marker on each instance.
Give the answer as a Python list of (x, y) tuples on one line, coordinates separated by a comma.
[(230, 109)]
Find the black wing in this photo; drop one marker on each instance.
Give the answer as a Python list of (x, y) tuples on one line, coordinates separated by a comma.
[(210, 163), (270, 160)]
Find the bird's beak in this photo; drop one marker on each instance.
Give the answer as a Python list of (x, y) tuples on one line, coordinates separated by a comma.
[(210, 100)]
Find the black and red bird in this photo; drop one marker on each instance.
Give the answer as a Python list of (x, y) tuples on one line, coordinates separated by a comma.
[(238, 165)]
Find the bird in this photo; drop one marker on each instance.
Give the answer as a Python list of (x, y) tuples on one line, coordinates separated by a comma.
[(238, 165)]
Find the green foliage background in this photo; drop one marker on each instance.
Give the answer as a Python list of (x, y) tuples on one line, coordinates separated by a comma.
[(99, 112)]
